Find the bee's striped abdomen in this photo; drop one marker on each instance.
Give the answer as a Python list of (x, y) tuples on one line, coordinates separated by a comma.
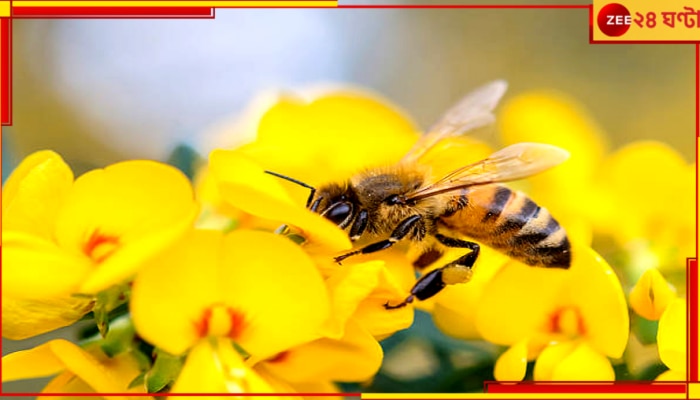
[(511, 223)]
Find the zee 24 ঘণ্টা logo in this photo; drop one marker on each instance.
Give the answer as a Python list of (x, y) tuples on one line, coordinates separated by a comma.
[(615, 19)]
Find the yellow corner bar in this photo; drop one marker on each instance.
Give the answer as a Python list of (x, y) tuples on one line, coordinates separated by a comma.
[(694, 390)]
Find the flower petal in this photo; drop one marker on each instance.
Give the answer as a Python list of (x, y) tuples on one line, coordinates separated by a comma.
[(396, 279), (34, 193), (66, 382), (651, 295), (583, 363), (35, 268), (596, 292), (134, 203), (355, 357), (217, 368), (512, 365), (110, 376), (517, 303), (331, 136), (550, 357), (123, 263), (276, 289), (244, 185), (521, 302), (171, 293), (33, 363), (360, 291), (671, 336), (24, 318), (650, 164)]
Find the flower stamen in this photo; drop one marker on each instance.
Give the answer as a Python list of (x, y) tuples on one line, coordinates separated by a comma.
[(221, 321), (567, 321)]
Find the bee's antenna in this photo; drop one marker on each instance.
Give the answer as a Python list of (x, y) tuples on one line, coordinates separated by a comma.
[(300, 183)]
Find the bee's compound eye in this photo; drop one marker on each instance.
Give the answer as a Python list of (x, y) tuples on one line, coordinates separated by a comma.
[(339, 214)]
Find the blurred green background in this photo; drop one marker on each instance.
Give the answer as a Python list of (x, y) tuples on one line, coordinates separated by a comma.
[(99, 91)]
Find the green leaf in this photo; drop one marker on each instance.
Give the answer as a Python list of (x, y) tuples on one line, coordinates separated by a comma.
[(622, 372), (142, 359), (652, 372), (120, 337), (106, 301), (164, 371), (138, 381), (645, 329)]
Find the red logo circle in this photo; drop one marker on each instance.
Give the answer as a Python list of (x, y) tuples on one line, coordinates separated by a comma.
[(614, 19)]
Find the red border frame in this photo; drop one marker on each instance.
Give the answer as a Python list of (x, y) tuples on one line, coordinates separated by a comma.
[(589, 387), (6, 71), (112, 12), (490, 387)]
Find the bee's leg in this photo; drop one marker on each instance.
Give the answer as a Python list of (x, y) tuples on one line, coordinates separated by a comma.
[(427, 258), (360, 224), (467, 259), (458, 271), (403, 229), (427, 286)]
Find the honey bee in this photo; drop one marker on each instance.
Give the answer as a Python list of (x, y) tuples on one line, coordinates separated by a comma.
[(401, 203)]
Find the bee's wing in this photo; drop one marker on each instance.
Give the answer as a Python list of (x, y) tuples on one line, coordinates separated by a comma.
[(473, 111), (513, 162)]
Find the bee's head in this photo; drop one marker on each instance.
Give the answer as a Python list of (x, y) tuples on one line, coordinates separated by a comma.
[(336, 203), (332, 201)]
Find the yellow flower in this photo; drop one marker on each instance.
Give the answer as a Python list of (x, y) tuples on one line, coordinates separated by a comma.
[(63, 238), (671, 338), (360, 289), (77, 370), (651, 295), (330, 137), (355, 357), (348, 350), (256, 290), (647, 203), (570, 320)]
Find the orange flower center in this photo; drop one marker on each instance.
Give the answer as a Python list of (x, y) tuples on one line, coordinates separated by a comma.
[(99, 247), (567, 321), (220, 320)]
